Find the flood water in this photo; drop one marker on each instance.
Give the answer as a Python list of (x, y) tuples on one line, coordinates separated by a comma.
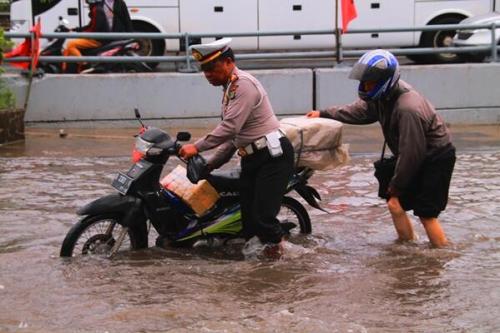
[(349, 275)]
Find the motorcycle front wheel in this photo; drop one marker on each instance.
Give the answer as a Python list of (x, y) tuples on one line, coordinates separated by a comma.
[(96, 235)]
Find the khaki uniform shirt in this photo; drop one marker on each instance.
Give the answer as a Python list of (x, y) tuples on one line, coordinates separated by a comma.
[(247, 115), (412, 128)]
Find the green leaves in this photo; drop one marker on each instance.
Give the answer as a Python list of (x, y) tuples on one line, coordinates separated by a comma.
[(7, 98)]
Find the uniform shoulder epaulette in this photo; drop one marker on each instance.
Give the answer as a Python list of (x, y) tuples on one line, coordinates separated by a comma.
[(231, 94)]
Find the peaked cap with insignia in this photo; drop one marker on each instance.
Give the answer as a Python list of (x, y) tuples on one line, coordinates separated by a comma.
[(205, 53)]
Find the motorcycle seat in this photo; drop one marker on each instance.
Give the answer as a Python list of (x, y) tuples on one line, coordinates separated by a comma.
[(106, 47), (225, 180)]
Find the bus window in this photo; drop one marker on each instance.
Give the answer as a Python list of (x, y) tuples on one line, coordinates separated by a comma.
[(41, 6)]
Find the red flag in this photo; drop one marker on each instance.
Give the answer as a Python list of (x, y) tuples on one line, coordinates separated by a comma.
[(35, 47), (22, 50), (349, 13), (28, 48)]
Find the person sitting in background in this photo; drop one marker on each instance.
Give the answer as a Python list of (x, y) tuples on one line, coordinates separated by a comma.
[(105, 16), (414, 132)]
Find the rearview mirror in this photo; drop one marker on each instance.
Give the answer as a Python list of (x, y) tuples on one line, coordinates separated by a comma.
[(137, 114), (183, 136)]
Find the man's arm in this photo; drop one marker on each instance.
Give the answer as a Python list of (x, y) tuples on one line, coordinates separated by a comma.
[(355, 113), (90, 27), (222, 155)]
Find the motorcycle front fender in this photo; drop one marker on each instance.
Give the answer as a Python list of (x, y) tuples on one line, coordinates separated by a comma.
[(310, 195), (113, 203), (130, 208)]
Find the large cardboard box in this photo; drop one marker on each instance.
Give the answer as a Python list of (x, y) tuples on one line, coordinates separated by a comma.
[(200, 197)]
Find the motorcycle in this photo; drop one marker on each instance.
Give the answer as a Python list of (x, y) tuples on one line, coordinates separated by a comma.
[(129, 48), (124, 219)]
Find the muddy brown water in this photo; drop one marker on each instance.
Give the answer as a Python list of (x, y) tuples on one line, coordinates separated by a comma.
[(349, 275)]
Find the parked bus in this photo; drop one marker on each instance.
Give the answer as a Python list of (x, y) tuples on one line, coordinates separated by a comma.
[(219, 16)]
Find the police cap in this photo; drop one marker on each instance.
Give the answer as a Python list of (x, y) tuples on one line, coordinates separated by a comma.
[(205, 53)]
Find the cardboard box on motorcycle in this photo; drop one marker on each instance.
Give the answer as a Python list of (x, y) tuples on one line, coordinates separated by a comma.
[(317, 142), (200, 197)]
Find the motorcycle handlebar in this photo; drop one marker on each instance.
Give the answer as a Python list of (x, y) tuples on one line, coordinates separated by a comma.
[(175, 151)]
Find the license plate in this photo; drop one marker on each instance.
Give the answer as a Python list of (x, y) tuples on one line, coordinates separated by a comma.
[(122, 183)]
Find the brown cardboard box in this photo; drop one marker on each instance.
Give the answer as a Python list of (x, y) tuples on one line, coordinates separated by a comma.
[(200, 197)]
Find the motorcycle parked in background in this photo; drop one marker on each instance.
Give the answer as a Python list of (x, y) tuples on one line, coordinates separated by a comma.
[(122, 220), (127, 48)]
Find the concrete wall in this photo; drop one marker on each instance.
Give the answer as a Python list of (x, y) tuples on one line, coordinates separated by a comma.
[(167, 96), (462, 93)]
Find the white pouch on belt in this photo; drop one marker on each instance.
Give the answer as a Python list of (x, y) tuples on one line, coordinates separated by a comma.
[(274, 144)]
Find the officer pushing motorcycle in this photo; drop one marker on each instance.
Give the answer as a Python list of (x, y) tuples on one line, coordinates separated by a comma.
[(250, 127)]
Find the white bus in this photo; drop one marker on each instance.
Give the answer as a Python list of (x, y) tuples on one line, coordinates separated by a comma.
[(220, 16)]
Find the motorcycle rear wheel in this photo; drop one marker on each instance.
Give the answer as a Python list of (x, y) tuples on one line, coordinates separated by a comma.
[(292, 211), (136, 67), (96, 235)]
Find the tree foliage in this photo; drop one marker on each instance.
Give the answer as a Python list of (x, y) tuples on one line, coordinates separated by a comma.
[(7, 98)]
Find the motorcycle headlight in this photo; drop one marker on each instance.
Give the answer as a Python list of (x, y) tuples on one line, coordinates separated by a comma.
[(146, 148), (142, 146)]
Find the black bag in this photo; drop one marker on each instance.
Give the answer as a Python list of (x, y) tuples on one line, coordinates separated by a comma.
[(196, 168), (384, 171)]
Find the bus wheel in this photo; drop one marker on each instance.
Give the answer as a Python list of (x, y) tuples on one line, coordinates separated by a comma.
[(440, 38), (149, 47)]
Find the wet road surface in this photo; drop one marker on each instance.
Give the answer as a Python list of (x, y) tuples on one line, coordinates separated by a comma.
[(349, 275)]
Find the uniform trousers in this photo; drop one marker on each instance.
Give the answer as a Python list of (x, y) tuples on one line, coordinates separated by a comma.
[(263, 182)]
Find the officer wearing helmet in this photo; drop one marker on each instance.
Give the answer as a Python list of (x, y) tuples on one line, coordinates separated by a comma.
[(416, 135), (250, 127)]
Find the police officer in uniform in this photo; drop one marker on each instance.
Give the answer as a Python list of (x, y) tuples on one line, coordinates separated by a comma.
[(416, 135), (250, 127)]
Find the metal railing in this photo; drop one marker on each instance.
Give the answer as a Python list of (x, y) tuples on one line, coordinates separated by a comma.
[(337, 53)]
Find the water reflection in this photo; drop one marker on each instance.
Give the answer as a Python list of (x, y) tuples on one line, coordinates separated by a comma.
[(415, 276), (348, 276)]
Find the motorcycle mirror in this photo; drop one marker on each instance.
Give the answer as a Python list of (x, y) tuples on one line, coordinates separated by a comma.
[(138, 116), (63, 21), (183, 136)]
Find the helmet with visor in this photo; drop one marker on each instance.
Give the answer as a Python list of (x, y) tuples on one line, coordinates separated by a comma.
[(378, 73)]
